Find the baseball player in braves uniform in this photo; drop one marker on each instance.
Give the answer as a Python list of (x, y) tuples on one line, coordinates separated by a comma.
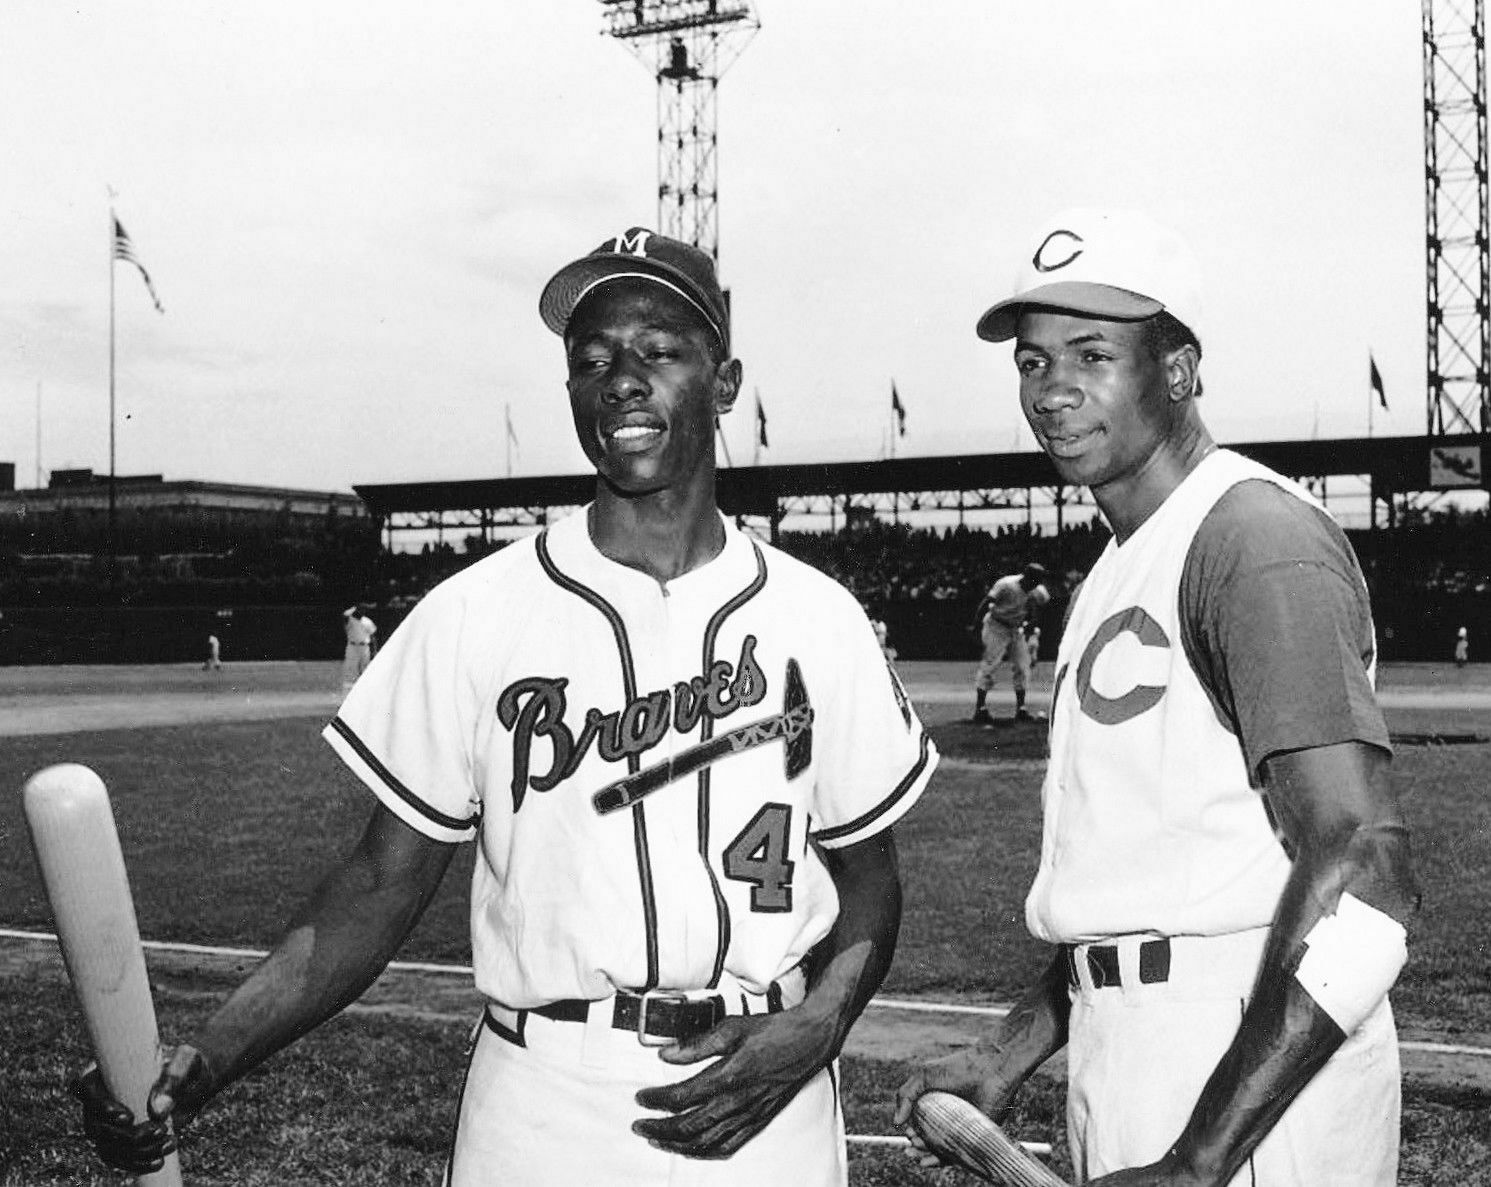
[(1000, 619), (680, 754), (1224, 869)]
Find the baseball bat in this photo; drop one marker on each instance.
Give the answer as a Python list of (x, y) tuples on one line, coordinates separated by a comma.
[(82, 867), (958, 1132), (900, 1139)]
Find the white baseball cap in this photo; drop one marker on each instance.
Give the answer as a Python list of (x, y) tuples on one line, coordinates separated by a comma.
[(1119, 265)]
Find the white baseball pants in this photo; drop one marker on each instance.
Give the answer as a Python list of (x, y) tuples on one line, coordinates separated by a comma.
[(558, 1111), (1002, 642), (1139, 1054)]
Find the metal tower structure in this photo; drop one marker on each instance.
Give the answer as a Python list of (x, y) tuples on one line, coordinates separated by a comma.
[(1458, 237), (688, 45)]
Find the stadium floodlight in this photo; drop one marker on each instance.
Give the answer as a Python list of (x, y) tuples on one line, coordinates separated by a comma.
[(687, 45), (1458, 235)]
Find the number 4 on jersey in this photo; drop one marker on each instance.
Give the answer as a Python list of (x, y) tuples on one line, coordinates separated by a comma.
[(758, 855)]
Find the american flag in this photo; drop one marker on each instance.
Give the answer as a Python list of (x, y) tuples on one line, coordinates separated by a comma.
[(125, 250)]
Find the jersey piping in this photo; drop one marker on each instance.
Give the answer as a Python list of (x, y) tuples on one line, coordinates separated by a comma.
[(890, 801), (392, 782), (633, 761), (711, 633)]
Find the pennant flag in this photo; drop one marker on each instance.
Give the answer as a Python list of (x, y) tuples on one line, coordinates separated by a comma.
[(761, 424), (125, 250), (1376, 379), (508, 416), (897, 407)]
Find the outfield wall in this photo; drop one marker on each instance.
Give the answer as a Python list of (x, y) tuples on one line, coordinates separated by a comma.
[(919, 629), (167, 634)]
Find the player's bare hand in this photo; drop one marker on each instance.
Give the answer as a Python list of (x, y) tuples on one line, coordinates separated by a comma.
[(761, 1064), (976, 1076), (141, 1146)]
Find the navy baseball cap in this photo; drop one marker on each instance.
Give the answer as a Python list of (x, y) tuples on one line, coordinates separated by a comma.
[(644, 255)]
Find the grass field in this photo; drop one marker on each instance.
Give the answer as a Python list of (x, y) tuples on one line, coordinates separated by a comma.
[(225, 826)]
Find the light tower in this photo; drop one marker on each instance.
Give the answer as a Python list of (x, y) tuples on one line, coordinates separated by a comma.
[(687, 44), (1458, 238)]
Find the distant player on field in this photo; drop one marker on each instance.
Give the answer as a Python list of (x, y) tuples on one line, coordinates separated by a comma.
[(680, 754), (1224, 874), (360, 631), (1000, 622)]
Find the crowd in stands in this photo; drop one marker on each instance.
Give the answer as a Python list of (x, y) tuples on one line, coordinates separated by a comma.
[(1430, 573), (885, 563)]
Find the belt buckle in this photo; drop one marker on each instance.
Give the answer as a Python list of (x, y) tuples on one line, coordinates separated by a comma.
[(645, 999)]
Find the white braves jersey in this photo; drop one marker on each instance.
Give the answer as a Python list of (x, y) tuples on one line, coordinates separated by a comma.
[(360, 629), (1151, 825), (536, 699)]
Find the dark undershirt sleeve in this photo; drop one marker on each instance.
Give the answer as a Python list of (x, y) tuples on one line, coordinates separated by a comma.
[(1277, 625)]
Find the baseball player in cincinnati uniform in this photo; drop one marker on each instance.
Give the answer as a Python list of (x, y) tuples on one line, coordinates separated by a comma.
[(680, 754), (1224, 871), (1000, 619)]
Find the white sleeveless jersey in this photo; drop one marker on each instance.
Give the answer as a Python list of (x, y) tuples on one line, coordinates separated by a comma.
[(536, 701), (1151, 824)]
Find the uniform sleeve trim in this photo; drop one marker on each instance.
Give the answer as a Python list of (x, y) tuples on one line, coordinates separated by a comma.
[(390, 781), (913, 779)]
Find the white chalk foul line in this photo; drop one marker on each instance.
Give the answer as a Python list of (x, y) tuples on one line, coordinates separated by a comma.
[(464, 970), (398, 966), (895, 1003)]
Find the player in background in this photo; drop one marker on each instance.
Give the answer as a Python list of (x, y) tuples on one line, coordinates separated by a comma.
[(1224, 874), (214, 660), (1462, 647), (360, 631), (680, 753), (882, 631), (1000, 621)]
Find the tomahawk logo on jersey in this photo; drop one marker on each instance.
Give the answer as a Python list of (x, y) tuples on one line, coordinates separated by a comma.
[(536, 706), (679, 753)]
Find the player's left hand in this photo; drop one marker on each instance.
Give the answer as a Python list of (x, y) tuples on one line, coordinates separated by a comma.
[(762, 1062)]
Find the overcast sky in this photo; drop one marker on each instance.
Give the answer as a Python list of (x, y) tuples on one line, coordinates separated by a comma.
[(349, 209)]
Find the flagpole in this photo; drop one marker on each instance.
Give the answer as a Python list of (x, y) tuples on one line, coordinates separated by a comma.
[(893, 419), (1371, 399), (507, 420), (756, 448), (112, 557)]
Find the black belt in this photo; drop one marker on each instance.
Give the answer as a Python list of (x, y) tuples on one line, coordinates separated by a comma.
[(655, 1015), (1102, 963)]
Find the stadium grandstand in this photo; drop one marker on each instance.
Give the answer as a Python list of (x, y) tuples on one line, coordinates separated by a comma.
[(918, 540)]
